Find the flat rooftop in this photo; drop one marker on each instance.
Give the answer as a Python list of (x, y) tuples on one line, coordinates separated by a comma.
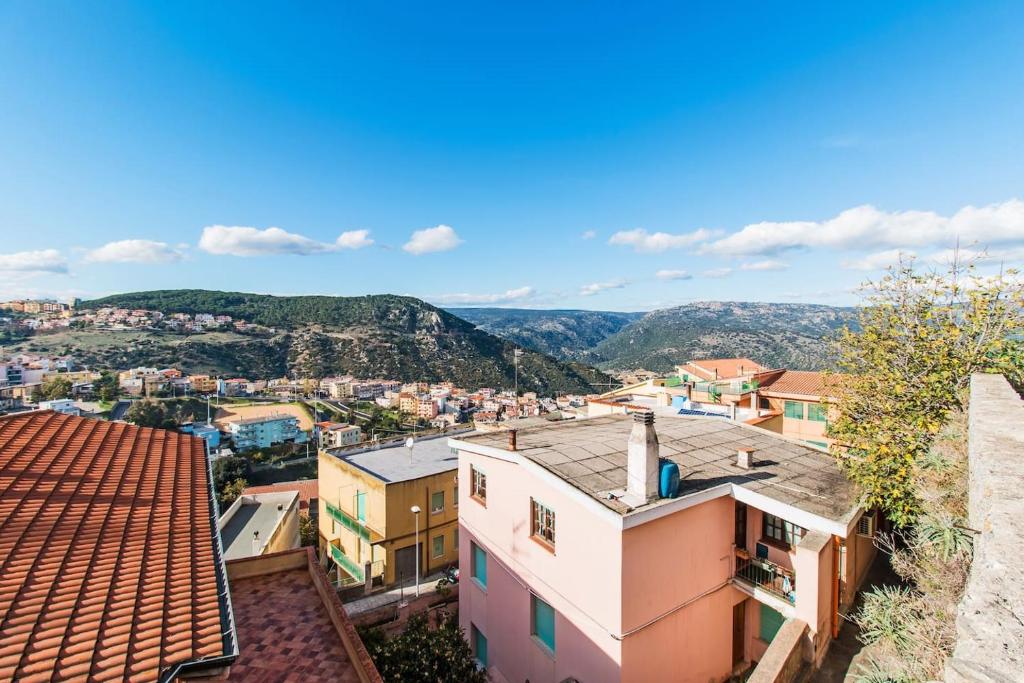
[(392, 464), (255, 512), (591, 456)]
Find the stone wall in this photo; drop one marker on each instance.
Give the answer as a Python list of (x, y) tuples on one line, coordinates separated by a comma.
[(990, 621)]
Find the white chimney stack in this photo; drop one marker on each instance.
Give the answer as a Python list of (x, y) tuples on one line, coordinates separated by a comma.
[(745, 458), (642, 458)]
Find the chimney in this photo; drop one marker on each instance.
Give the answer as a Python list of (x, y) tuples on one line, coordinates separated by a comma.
[(256, 543), (642, 458), (745, 458), (512, 439)]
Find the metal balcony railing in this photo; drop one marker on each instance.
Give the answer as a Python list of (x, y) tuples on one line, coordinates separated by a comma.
[(766, 575)]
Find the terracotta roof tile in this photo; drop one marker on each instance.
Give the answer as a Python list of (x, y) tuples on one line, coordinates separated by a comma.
[(107, 552), (801, 382)]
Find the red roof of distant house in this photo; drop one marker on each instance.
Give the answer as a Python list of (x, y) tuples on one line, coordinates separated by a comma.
[(727, 368), (109, 564), (801, 382), (308, 490)]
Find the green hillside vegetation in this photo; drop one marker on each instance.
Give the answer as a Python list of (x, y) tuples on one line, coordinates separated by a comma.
[(795, 336), (316, 336), (566, 334)]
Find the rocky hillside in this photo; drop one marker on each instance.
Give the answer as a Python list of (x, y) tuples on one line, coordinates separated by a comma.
[(777, 335), (568, 334), (368, 336)]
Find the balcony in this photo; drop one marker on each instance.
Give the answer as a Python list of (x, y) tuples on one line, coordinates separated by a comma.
[(759, 573)]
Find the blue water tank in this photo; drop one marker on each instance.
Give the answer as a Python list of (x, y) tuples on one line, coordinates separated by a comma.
[(668, 479)]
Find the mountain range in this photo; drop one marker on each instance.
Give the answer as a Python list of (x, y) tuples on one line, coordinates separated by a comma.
[(776, 335), (408, 339), (316, 336)]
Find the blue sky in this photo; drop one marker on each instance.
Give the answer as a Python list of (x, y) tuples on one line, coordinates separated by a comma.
[(531, 154)]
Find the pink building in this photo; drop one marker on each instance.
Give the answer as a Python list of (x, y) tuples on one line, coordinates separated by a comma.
[(578, 565)]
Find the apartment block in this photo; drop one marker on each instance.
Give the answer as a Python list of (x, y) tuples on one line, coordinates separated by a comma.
[(608, 550), (366, 522), (265, 431)]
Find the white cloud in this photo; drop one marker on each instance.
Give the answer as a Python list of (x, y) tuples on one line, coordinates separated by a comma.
[(588, 234), (595, 287), (877, 261), (866, 227), (769, 264), (134, 251), (354, 239), (41, 261), (717, 272), (429, 240), (643, 241), (512, 295), (246, 241), (673, 275)]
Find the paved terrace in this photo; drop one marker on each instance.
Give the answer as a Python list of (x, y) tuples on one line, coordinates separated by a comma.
[(427, 457), (591, 455)]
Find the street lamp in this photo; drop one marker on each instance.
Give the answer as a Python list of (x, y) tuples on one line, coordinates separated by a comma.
[(415, 510)]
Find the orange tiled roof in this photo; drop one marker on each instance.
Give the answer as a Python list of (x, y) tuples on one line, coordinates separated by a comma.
[(308, 490), (108, 563), (799, 382), (727, 367)]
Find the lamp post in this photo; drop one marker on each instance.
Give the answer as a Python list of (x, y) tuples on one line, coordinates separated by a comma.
[(415, 509)]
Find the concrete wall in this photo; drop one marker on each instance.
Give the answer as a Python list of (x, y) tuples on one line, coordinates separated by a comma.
[(782, 660), (990, 621)]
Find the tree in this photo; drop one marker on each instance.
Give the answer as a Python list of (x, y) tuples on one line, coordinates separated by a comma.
[(308, 532), (231, 491), (228, 469), (55, 388), (106, 387), (421, 654), (149, 413), (920, 337)]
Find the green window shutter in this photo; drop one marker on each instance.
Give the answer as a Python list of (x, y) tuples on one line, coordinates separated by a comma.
[(544, 622), (437, 501), (438, 546), (817, 412), (794, 409), (771, 622), (480, 647), (479, 565)]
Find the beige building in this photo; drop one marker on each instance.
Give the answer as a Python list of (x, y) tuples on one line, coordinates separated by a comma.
[(366, 523), (792, 403)]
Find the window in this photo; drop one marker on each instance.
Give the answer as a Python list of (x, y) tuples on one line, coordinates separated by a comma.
[(455, 496), (771, 622), (436, 502), (817, 412), (794, 409), (455, 538), (543, 525), (478, 562), (782, 532), (361, 506), (741, 525), (479, 646), (479, 484), (543, 627), (438, 546)]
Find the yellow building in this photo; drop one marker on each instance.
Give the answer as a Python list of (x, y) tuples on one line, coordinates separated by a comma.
[(203, 384), (366, 521)]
